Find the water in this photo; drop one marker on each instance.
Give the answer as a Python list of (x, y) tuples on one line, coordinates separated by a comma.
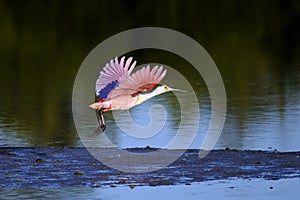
[(255, 45), (255, 52), (233, 189)]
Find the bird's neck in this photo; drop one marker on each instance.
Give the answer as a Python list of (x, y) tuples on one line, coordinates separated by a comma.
[(144, 97)]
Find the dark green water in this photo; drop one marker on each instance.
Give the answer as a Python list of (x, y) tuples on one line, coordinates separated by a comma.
[(255, 45)]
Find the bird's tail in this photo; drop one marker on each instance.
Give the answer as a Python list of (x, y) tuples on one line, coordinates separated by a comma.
[(96, 106)]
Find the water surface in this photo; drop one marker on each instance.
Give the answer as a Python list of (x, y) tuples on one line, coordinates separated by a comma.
[(230, 189), (255, 51)]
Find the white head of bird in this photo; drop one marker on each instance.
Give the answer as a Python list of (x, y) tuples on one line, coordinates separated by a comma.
[(143, 96)]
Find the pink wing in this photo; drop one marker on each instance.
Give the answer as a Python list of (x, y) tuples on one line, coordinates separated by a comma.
[(111, 76), (142, 80)]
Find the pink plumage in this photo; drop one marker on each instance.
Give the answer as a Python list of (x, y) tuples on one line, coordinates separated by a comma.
[(114, 71), (117, 88), (142, 80)]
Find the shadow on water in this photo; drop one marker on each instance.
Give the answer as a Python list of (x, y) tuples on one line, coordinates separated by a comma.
[(254, 44)]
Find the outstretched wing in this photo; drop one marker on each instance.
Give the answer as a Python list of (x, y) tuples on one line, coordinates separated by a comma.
[(111, 75), (142, 80)]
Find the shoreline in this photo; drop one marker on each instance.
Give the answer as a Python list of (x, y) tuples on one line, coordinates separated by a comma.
[(75, 166)]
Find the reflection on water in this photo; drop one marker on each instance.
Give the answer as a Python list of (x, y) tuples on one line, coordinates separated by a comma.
[(256, 52), (270, 121), (234, 189)]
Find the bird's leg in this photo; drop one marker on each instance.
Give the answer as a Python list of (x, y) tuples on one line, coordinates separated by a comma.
[(101, 120)]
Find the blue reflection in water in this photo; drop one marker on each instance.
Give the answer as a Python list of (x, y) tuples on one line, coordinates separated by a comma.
[(233, 189), (265, 121)]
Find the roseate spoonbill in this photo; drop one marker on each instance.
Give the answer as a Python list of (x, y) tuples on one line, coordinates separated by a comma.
[(118, 89)]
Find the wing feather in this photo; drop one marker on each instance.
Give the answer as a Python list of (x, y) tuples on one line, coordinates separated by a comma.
[(143, 80), (162, 75), (111, 75)]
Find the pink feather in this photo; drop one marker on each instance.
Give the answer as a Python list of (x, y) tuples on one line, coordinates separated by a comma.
[(128, 84), (142, 80), (114, 71)]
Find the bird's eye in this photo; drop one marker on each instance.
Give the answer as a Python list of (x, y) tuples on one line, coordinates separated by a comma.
[(166, 87)]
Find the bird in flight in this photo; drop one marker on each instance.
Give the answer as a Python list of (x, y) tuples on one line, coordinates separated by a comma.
[(117, 88)]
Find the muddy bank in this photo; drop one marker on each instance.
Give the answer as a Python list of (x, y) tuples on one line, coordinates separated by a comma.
[(49, 167)]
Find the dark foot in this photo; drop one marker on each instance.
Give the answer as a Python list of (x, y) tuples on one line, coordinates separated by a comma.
[(102, 127)]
